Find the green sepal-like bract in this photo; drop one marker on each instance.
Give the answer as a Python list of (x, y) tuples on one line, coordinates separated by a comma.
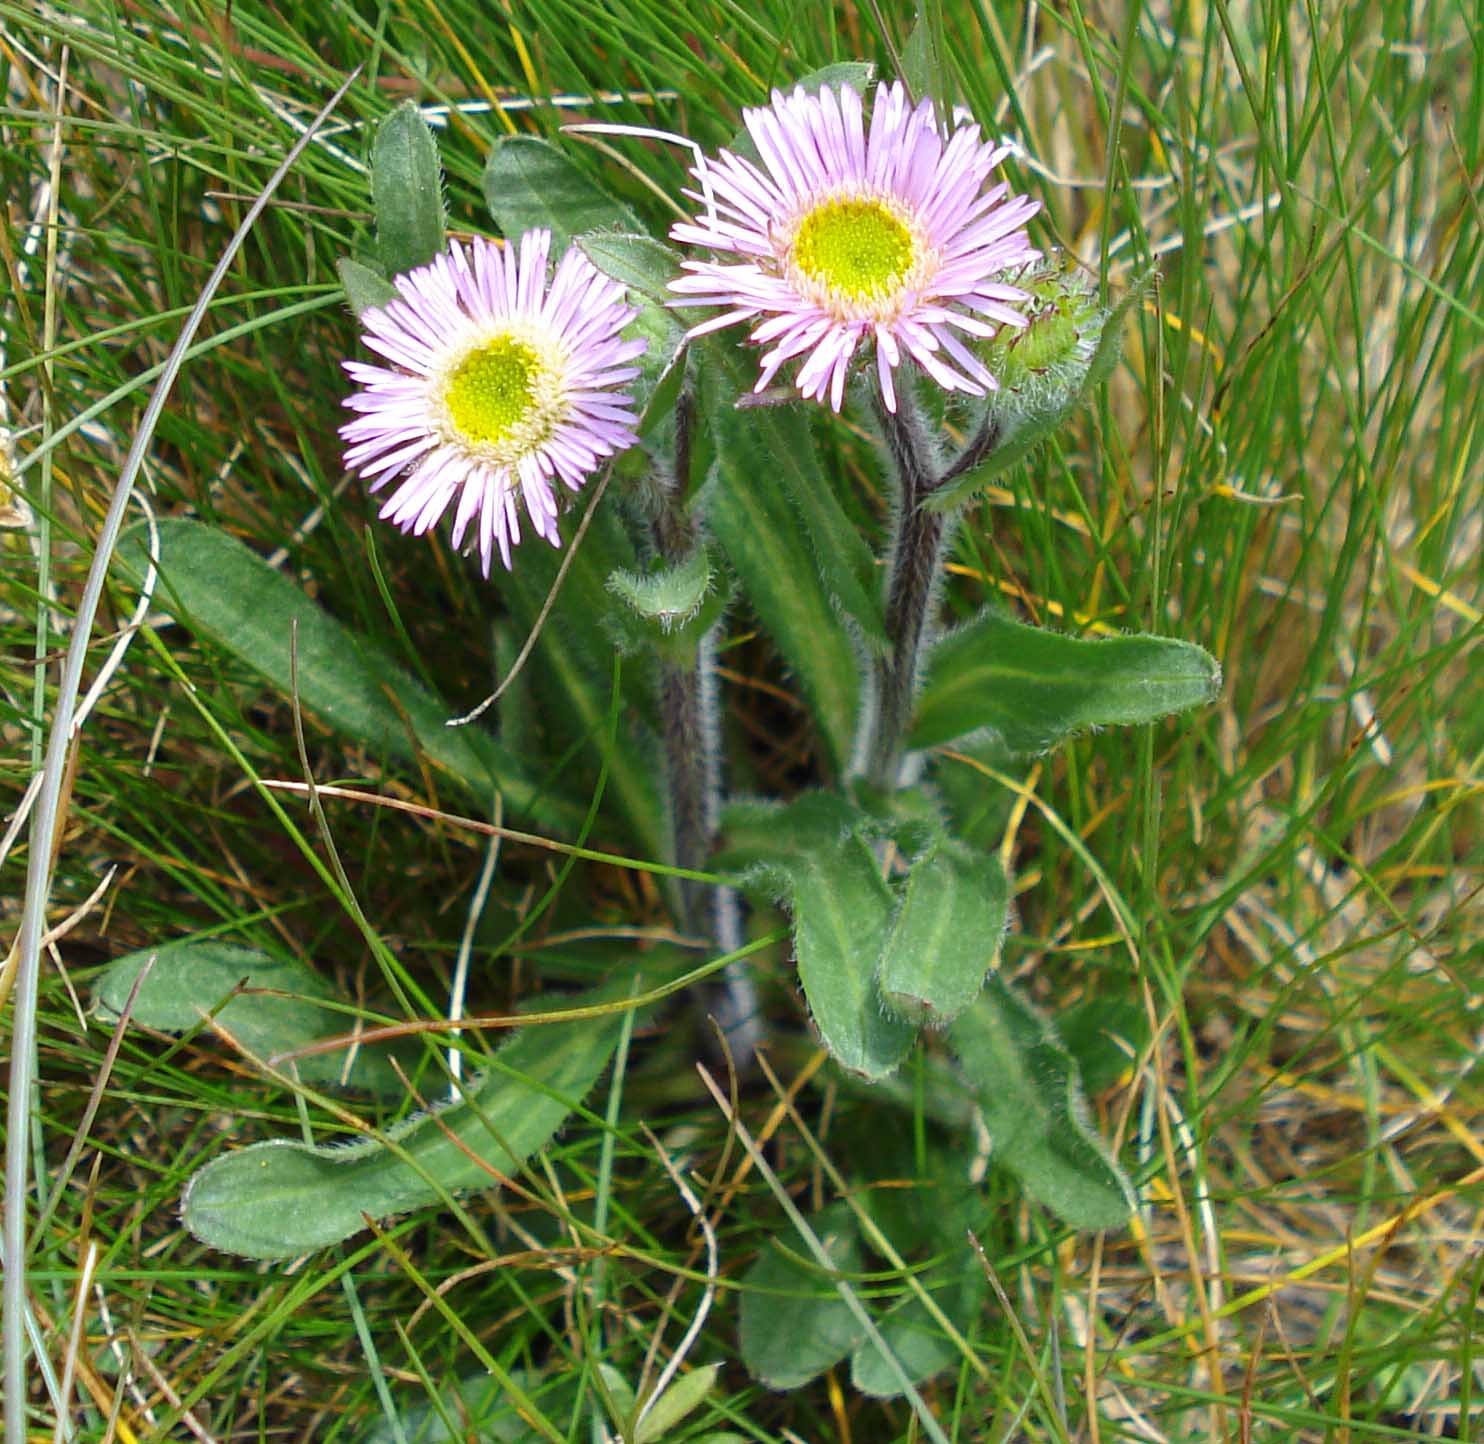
[(669, 609), (406, 191), (669, 596)]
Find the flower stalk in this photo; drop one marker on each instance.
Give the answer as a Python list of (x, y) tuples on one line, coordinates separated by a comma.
[(916, 559), (692, 754), (690, 722), (922, 534)]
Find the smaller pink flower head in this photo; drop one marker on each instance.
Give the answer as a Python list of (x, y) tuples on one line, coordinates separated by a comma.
[(846, 236), (499, 384)]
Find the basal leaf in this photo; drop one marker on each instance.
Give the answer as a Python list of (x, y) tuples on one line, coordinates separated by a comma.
[(479, 1409), (1030, 688), (680, 1400), (406, 190), (842, 909), (794, 1323), (280, 1198), (1030, 1096), (529, 183), (273, 1005), (225, 591), (916, 1338), (946, 933)]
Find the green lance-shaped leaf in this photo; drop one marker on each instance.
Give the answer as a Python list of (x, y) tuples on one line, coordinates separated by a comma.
[(573, 670), (280, 1198), (857, 74), (946, 933), (364, 287), (794, 1323), (529, 183), (406, 190), (1030, 1095), (479, 1408), (924, 65), (272, 1005), (680, 1400), (1029, 688), (645, 267), (815, 851), (776, 447), (916, 1337), (226, 592)]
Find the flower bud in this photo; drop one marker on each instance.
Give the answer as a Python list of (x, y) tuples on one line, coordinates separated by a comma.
[(1042, 367)]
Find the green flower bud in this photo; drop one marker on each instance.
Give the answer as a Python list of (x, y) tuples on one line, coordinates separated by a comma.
[(1042, 367)]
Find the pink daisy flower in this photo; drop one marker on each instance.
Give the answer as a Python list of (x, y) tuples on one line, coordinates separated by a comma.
[(847, 237), (499, 385)]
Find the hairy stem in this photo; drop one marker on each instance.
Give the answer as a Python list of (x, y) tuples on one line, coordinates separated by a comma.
[(915, 561), (691, 723), (683, 726)]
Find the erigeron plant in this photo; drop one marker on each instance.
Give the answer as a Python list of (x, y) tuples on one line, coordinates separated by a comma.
[(643, 410)]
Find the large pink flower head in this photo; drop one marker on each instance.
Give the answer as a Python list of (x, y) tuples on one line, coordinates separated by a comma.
[(847, 236), (499, 383)]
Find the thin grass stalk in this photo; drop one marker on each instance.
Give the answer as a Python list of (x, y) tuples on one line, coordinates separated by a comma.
[(44, 823)]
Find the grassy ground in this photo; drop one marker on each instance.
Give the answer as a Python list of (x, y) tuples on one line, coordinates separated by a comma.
[(1286, 470)]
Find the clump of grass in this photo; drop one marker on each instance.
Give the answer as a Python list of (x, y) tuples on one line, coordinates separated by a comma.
[(1285, 470)]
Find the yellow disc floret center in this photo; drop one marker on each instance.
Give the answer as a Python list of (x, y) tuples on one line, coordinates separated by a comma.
[(856, 251), (491, 390), (503, 396)]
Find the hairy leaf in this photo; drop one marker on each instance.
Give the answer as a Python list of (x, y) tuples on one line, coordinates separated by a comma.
[(1030, 1096), (916, 1338), (794, 1323), (680, 1400), (815, 850), (946, 933), (406, 190), (529, 183), (364, 288), (1029, 688), (267, 1004), (226, 592), (280, 1198)]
